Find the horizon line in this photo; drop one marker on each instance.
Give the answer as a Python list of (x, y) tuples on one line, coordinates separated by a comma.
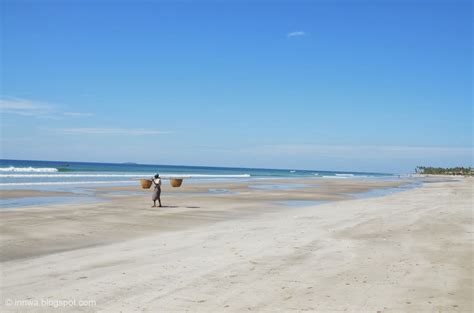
[(227, 167)]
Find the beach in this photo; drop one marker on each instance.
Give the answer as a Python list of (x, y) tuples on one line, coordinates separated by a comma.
[(236, 156), (281, 245)]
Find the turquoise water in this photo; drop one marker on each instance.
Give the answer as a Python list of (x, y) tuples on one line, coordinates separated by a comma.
[(18, 173)]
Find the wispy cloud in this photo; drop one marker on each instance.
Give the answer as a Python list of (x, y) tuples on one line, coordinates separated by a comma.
[(112, 131), (362, 150), (297, 34), (77, 114), (25, 107)]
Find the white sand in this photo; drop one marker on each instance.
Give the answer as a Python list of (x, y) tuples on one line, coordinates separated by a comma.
[(407, 252)]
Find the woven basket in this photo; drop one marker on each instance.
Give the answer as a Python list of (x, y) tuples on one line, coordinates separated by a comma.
[(146, 183), (176, 182)]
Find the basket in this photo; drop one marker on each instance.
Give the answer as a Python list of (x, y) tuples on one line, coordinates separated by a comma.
[(146, 183), (176, 182)]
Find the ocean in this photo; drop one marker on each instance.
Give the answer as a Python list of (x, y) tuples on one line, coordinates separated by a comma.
[(16, 173)]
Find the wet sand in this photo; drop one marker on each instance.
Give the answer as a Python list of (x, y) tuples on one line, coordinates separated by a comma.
[(121, 213), (16, 194), (245, 251)]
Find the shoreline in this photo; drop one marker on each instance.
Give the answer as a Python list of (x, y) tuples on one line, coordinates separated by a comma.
[(407, 251), (93, 193), (130, 216)]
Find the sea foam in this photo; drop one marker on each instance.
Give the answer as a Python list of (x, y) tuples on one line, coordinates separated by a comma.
[(142, 175), (67, 183), (29, 169)]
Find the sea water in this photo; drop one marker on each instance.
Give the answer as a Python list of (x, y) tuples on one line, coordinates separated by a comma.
[(16, 174)]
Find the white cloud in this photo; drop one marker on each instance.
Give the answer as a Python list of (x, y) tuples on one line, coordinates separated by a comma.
[(112, 131), (364, 158), (25, 107), (296, 34), (361, 151), (77, 114)]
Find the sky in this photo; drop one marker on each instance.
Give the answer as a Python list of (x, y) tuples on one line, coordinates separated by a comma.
[(326, 85)]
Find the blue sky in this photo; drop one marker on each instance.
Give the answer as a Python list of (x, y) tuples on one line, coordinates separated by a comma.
[(334, 85)]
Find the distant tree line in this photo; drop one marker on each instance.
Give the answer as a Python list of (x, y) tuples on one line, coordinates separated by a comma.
[(464, 171)]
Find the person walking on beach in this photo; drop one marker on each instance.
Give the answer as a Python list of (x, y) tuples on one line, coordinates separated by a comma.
[(157, 192)]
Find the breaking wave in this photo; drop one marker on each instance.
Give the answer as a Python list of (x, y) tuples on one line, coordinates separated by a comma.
[(29, 169)]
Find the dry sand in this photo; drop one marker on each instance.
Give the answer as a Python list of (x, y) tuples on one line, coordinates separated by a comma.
[(407, 252)]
